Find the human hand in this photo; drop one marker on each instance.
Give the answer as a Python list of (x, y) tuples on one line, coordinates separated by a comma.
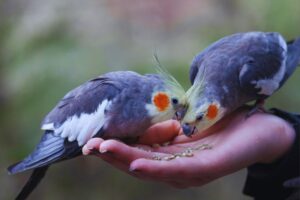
[(236, 143)]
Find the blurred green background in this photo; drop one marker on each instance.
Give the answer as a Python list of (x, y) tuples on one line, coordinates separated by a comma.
[(49, 47)]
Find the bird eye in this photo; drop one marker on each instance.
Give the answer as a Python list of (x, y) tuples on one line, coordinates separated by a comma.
[(199, 117), (174, 101), (250, 61)]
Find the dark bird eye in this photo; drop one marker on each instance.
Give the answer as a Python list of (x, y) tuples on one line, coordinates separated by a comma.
[(250, 61), (174, 101), (199, 117)]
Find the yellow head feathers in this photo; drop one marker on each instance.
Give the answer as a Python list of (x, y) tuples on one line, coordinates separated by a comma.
[(171, 83), (193, 94)]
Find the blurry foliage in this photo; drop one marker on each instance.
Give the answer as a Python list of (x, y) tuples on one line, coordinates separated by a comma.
[(47, 48)]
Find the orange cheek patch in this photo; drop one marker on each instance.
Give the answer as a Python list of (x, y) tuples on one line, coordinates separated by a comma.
[(161, 101), (212, 111)]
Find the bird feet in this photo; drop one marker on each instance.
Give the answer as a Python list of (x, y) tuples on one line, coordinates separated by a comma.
[(188, 152), (257, 107)]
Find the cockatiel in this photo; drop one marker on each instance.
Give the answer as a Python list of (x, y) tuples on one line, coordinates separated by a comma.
[(118, 105), (235, 70)]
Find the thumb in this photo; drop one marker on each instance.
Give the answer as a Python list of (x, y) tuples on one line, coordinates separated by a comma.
[(161, 133)]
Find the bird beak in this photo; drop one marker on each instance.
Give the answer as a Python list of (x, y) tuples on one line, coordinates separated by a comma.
[(180, 113), (188, 129)]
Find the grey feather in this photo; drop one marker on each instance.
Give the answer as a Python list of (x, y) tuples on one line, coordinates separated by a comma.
[(238, 69), (83, 99), (293, 58), (127, 91), (125, 116), (237, 61), (49, 150)]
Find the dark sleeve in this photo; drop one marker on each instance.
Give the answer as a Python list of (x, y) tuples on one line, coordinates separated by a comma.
[(280, 179)]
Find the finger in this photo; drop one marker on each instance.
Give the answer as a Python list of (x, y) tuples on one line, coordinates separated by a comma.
[(161, 132), (118, 164), (93, 143), (165, 170), (124, 153), (177, 174), (184, 139), (114, 162)]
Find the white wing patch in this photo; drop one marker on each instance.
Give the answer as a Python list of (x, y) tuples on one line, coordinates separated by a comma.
[(266, 86), (48, 126), (269, 86), (81, 128)]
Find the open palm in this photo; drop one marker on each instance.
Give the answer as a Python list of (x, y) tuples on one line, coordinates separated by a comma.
[(236, 142)]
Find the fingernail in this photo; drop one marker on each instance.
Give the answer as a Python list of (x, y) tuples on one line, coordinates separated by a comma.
[(90, 148), (133, 169), (103, 151)]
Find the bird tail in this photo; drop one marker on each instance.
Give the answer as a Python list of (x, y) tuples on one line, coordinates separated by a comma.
[(35, 178), (293, 56), (49, 150)]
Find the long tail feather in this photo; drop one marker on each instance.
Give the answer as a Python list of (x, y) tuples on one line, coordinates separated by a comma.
[(35, 178), (51, 149)]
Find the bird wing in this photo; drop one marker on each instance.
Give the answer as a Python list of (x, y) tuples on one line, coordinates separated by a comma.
[(293, 58), (75, 119), (264, 66), (81, 113)]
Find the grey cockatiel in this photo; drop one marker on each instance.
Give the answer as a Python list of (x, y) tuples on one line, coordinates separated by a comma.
[(115, 105), (235, 70)]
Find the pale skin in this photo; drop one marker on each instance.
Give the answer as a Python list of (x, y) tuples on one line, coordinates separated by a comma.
[(236, 142)]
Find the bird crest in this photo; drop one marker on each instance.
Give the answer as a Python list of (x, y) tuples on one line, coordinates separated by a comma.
[(171, 83), (194, 92)]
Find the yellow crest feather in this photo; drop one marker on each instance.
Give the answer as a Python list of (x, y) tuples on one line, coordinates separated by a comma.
[(169, 80), (194, 92)]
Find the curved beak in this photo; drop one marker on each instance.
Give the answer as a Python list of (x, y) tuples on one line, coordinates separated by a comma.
[(188, 129), (180, 113)]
